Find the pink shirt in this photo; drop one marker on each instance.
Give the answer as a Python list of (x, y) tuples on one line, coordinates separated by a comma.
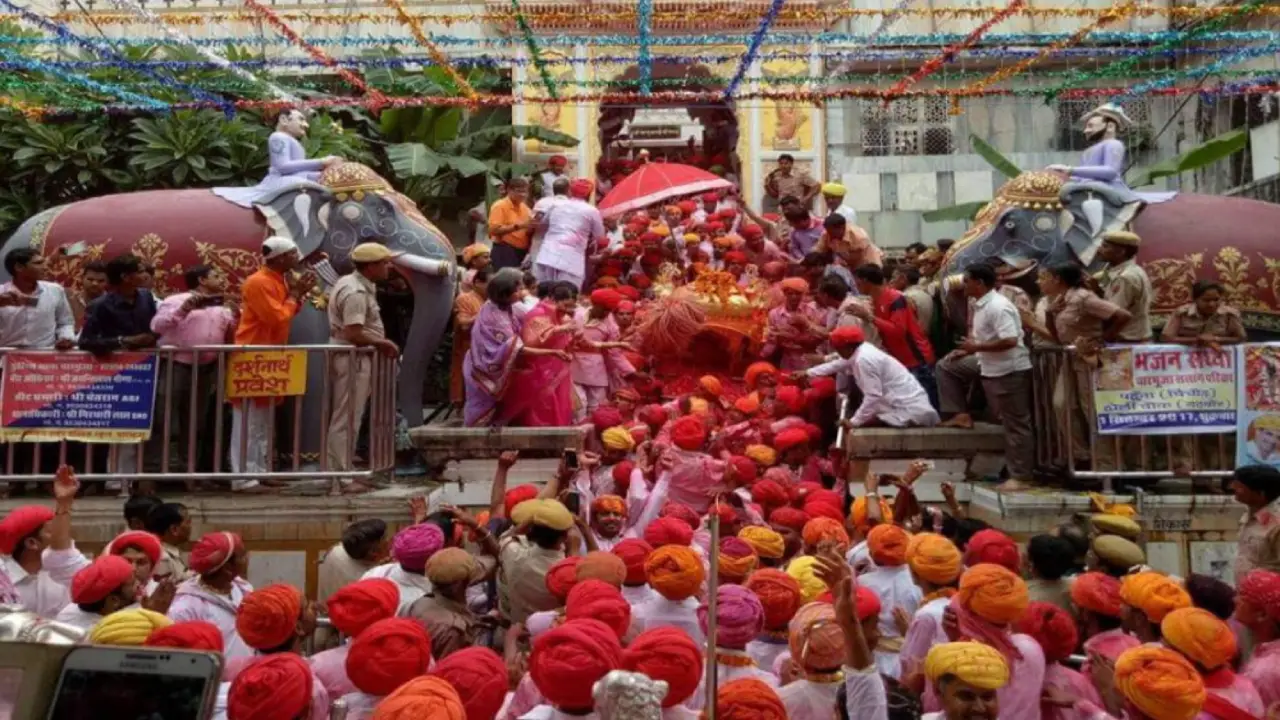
[(203, 326), (330, 668), (1235, 689), (1075, 685), (599, 368), (1263, 670), (693, 474)]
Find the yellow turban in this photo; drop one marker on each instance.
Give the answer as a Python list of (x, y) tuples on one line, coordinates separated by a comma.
[(473, 251), (543, 511), (1160, 683), (691, 238), (934, 558), (1199, 635), (803, 568), (660, 230), (1100, 505), (698, 406), (858, 514), (1117, 551), (618, 438), (833, 189), (993, 593), (127, 627), (1155, 594), (675, 572), (761, 454), (973, 663), (1122, 525), (765, 541), (1270, 423), (815, 638)]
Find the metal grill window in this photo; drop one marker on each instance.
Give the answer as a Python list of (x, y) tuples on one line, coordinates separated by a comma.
[(909, 126), (1070, 135)]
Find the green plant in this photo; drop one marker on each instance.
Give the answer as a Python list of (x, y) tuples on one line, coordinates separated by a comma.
[(186, 146)]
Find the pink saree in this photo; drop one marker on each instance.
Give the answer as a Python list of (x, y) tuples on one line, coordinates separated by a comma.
[(541, 392)]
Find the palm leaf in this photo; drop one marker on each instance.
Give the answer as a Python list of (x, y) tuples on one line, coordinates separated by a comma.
[(1200, 156), (1002, 164), (964, 211)]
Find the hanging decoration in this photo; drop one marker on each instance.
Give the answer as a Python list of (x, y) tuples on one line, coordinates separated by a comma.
[(531, 44), (644, 57), (753, 48), (432, 50), (949, 53), (33, 65), (373, 98), (1195, 73)]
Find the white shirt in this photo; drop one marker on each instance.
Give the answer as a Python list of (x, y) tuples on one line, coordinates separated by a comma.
[(572, 227), (192, 601), (41, 325), (808, 700), (766, 653), (865, 696), (548, 181), (889, 393), (47, 592), (895, 588), (660, 612), (850, 215), (75, 617), (996, 318), (412, 585)]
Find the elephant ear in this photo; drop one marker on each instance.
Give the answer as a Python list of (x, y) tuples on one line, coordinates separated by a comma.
[(1079, 223), (300, 213)]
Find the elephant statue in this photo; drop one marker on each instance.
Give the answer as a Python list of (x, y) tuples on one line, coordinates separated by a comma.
[(176, 229), (1231, 241)]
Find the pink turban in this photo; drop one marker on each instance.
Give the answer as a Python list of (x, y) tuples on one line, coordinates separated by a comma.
[(414, 545), (739, 616)]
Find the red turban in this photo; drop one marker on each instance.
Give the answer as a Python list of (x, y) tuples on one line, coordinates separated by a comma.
[(271, 687), (744, 469), (847, 335), (668, 531), (749, 699), (621, 474), (709, 197), (824, 509), (423, 698), (992, 546), (866, 603), (1261, 589), (517, 495), (608, 299), (735, 257), (556, 161), (680, 511), (633, 552), (789, 517), (751, 232), (790, 438), (790, 399), (562, 576), (714, 227), (668, 654), (687, 207), (388, 654), (581, 188), (212, 551), (480, 677), (728, 215), (1052, 627), (628, 293), (642, 281), (605, 417), (1100, 593), (268, 618), (566, 661), (143, 542), (779, 593), (187, 635), (602, 601), (94, 582), (652, 415), (822, 388), (689, 433), (356, 606), (770, 494), (820, 495), (21, 522), (756, 371)]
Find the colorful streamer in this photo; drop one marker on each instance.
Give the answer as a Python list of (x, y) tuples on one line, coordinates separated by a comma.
[(644, 59), (432, 49), (753, 47), (33, 65), (949, 53), (1200, 71), (535, 55)]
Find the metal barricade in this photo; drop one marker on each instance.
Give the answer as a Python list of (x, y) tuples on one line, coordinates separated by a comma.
[(1064, 417), (180, 438)]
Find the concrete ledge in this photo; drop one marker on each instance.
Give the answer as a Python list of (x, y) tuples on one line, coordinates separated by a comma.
[(924, 442), (440, 444)]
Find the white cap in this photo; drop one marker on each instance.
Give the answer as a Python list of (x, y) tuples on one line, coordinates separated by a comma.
[(275, 246)]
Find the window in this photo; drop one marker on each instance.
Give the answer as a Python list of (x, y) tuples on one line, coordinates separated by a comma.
[(909, 126), (1070, 135)]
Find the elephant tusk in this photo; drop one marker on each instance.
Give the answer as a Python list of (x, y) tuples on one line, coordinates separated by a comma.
[(422, 265)]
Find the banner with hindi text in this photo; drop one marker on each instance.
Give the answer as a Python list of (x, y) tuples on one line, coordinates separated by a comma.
[(1165, 390), (267, 373), (52, 396)]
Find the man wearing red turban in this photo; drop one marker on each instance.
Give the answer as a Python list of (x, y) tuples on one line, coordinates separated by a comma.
[(141, 549), (993, 546), (220, 560), (104, 586), (599, 363), (388, 654), (480, 677), (274, 687), (567, 661), (37, 552), (191, 635), (633, 553), (351, 610)]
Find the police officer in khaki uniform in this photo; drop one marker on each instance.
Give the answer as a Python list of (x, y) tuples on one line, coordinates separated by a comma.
[(354, 320), (1125, 284)]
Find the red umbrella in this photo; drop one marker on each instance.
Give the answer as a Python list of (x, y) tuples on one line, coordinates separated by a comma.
[(656, 182)]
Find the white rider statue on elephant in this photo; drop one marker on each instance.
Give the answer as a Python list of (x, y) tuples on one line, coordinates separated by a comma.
[(1103, 162)]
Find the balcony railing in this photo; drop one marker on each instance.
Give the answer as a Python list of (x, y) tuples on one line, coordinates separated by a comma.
[(1267, 190), (668, 15)]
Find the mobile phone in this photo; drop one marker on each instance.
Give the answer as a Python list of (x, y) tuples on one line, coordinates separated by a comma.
[(573, 503), (571, 459), (159, 684), (211, 300), (30, 300)]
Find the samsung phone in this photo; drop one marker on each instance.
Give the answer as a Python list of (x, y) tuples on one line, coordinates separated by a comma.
[(136, 684)]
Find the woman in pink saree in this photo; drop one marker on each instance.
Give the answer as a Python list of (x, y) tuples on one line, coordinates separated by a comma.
[(541, 392)]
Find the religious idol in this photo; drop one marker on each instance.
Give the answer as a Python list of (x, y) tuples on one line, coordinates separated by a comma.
[(289, 163), (1103, 162)]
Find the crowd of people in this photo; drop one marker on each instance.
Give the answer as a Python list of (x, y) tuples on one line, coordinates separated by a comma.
[(591, 597)]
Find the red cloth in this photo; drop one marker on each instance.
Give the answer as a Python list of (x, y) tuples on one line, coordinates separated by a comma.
[(212, 551), (144, 542), (689, 433), (770, 494), (606, 298), (605, 417), (388, 654), (272, 687), (517, 495), (1261, 588), (900, 332), (744, 470), (100, 578), (566, 661), (789, 517), (790, 399), (992, 546), (633, 552), (1052, 627), (822, 387), (602, 601), (750, 232), (668, 531), (670, 655), (268, 618), (479, 676), (680, 511), (847, 335), (360, 604), (562, 576), (653, 415), (188, 635), (622, 476), (21, 522), (790, 438)]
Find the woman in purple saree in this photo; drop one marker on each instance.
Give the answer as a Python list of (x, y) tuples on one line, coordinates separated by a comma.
[(541, 393)]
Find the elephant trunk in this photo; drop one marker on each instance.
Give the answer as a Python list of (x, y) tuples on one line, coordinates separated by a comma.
[(432, 308)]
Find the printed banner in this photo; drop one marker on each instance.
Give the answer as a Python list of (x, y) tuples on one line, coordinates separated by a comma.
[(46, 397), (1165, 390), (1258, 429), (269, 373)]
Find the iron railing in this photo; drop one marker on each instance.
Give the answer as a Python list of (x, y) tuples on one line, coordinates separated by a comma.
[(1267, 190)]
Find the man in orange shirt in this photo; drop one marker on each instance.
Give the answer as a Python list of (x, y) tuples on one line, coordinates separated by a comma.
[(270, 298), (511, 226)]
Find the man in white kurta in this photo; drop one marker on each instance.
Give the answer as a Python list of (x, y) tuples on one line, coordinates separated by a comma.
[(193, 600), (890, 394), (896, 589), (412, 585)]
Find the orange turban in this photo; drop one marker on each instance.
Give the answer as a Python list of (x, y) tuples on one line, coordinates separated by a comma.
[(993, 593), (668, 531), (610, 504), (1155, 594), (888, 545), (747, 405), (480, 677), (388, 654), (362, 603), (602, 601), (1199, 635), (737, 560), (824, 530), (711, 385), (779, 593), (422, 698), (1097, 592), (561, 577), (749, 699), (668, 654), (1160, 683), (270, 687), (633, 552), (816, 640), (934, 558), (795, 284), (858, 514), (758, 370), (566, 661), (789, 517), (675, 572), (765, 541), (268, 618), (601, 565), (689, 433), (992, 546)]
